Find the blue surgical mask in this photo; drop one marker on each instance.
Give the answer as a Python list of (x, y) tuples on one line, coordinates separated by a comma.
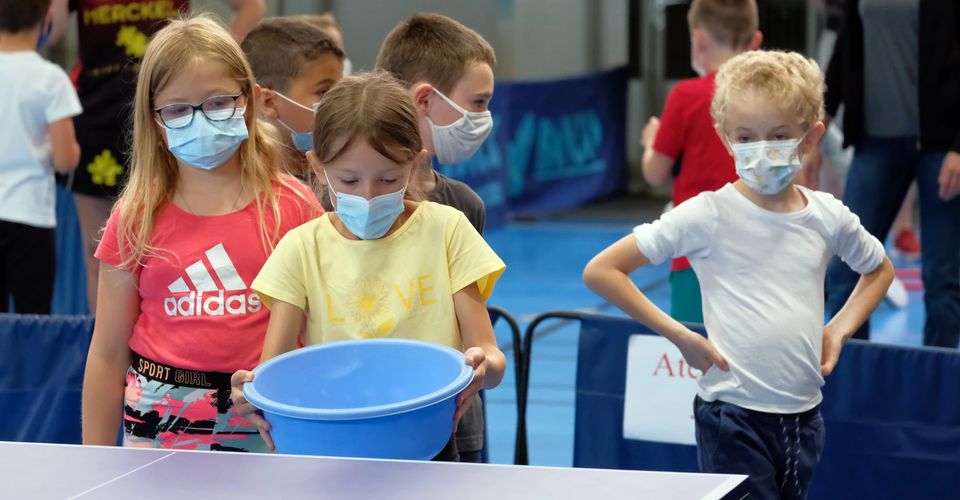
[(302, 140), (368, 219), (205, 144)]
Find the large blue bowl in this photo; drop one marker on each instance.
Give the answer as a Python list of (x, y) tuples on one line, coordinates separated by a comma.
[(384, 398)]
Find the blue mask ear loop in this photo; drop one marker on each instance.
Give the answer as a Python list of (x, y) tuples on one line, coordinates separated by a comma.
[(44, 34)]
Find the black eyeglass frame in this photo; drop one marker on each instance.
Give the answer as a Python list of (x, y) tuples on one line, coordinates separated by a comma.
[(199, 107)]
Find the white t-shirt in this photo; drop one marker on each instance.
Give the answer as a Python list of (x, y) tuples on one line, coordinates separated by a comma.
[(761, 274), (33, 93)]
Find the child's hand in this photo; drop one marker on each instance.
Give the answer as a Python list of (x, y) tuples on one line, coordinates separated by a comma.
[(246, 410), (700, 353), (650, 132), (949, 178), (832, 344), (475, 358)]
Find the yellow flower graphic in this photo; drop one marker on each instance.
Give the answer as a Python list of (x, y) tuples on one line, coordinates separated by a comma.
[(132, 40), (369, 308), (104, 169)]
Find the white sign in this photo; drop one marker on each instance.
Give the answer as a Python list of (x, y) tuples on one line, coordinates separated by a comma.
[(658, 400)]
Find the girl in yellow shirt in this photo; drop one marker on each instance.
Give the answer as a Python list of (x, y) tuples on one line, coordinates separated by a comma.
[(383, 264)]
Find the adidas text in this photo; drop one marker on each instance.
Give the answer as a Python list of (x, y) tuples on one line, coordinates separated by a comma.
[(212, 304)]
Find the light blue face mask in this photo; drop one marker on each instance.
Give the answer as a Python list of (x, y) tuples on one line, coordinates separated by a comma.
[(205, 144), (368, 219), (302, 140)]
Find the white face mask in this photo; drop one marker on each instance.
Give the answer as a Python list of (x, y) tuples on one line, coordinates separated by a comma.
[(767, 166), (458, 141)]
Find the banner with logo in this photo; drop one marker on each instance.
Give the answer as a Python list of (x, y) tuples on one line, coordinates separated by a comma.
[(650, 430), (659, 388), (892, 413), (555, 145)]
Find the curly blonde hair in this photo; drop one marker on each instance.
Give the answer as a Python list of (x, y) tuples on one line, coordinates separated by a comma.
[(788, 79)]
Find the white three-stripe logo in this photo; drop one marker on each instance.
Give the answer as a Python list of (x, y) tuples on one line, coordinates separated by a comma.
[(201, 279)]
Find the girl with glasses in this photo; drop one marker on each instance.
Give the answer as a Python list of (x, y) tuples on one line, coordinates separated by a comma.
[(204, 206)]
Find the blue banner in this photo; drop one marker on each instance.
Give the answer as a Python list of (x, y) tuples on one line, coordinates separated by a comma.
[(555, 145), (41, 376), (891, 414)]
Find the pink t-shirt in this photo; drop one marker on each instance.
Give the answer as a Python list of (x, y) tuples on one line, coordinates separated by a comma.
[(197, 310)]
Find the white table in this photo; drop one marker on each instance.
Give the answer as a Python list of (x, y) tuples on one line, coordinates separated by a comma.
[(31, 471)]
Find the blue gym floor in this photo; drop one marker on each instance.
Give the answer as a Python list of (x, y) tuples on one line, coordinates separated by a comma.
[(544, 261)]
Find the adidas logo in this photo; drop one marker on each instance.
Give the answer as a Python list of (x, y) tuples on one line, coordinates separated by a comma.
[(205, 296)]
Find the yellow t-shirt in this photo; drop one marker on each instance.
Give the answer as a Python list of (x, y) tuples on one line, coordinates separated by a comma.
[(398, 286)]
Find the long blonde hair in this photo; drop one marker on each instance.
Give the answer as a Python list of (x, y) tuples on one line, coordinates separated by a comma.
[(153, 173)]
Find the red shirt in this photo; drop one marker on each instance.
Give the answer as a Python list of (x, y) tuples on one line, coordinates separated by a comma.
[(686, 132), (197, 310)]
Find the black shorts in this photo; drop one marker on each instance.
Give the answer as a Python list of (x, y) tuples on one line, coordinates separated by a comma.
[(28, 261), (102, 171)]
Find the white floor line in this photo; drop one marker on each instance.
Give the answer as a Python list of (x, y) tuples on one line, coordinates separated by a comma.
[(121, 476)]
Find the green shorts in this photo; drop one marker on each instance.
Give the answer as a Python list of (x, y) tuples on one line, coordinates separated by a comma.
[(685, 304)]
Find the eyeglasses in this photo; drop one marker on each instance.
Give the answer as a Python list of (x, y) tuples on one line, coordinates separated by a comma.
[(215, 108)]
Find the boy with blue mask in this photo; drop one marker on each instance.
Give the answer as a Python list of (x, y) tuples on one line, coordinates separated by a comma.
[(295, 62), (760, 247), (37, 138)]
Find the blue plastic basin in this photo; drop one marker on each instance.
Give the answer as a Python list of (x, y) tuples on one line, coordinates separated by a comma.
[(383, 398)]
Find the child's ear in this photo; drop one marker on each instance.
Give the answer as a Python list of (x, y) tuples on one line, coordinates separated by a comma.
[(697, 39), (756, 42), (417, 161), (723, 137), (266, 102), (812, 137), (420, 93)]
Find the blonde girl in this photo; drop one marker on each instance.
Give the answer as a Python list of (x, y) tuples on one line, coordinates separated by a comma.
[(203, 208), (384, 264)]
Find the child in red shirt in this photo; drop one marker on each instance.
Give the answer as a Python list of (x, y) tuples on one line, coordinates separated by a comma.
[(203, 208), (719, 30)]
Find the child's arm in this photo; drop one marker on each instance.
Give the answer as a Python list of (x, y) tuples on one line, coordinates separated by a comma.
[(63, 145), (286, 321), (866, 296), (61, 17), (246, 15), (483, 355), (657, 167), (607, 274), (118, 306)]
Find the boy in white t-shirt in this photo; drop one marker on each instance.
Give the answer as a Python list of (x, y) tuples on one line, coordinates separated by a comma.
[(760, 247), (37, 104)]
